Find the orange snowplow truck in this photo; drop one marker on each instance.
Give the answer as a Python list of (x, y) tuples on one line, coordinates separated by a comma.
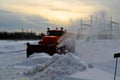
[(47, 44)]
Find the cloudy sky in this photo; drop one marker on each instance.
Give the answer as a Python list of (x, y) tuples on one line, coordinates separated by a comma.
[(34, 14)]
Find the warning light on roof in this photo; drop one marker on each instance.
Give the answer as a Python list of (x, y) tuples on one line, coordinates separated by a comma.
[(56, 28)]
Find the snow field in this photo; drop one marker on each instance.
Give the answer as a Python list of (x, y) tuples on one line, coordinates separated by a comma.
[(95, 54)]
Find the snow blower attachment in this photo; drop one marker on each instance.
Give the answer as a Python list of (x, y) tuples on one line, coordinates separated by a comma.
[(48, 44)]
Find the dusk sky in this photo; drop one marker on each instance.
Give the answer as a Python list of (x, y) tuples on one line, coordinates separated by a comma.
[(34, 14)]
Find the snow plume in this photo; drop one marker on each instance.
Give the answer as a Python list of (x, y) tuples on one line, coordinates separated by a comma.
[(57, 67), (96, 27), (68, 39), (67, 43)]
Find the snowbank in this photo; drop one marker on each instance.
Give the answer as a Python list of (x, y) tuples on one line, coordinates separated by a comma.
[(56, 67), (33, 61)]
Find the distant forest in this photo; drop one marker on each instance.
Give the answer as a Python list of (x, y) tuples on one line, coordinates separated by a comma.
[(20, 36)]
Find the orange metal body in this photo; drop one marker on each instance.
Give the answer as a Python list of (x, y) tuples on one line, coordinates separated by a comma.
[(48, 44)]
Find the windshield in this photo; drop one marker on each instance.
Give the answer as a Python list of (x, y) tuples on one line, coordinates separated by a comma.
[(55, 33)]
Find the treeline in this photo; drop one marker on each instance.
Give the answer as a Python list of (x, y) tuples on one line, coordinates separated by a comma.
[(20, 36)]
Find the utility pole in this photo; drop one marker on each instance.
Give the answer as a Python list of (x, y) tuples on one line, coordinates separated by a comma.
[(96, 18), (91, 20), (111, 27), (81, 25)]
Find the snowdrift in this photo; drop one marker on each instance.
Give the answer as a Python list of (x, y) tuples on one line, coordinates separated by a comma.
[(57, 67)]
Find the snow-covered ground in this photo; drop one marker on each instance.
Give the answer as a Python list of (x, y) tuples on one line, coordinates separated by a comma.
[(93, 60)]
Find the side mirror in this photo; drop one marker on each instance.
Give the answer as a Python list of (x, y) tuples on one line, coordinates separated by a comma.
[(48, 29), (61, 28)]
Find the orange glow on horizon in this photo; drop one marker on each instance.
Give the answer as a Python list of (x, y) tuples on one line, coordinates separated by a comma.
[(56, 12)]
